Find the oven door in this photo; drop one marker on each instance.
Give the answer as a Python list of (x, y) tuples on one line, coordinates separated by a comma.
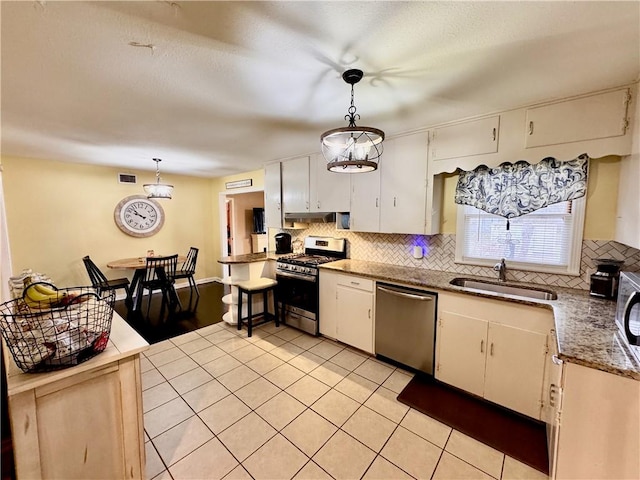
[(299, 296)]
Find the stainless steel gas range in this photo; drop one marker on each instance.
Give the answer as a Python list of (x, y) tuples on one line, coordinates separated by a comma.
[(298, 280)]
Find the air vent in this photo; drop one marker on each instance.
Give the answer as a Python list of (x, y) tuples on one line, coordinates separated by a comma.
[(126, 178)]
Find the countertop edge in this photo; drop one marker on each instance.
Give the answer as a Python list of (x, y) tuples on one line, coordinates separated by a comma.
[(249, 258)]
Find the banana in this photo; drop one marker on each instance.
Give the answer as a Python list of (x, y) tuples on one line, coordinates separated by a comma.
[(36, 299), (45, 289)]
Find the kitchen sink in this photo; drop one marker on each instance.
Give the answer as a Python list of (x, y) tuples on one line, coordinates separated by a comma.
[(508, 289)]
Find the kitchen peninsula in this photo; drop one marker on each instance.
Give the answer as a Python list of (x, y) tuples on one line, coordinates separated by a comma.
[(244, 267)]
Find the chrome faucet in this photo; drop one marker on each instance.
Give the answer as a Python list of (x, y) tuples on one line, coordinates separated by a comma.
[(501, 268)]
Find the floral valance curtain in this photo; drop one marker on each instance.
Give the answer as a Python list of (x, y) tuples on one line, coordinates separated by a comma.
[(513, 189)]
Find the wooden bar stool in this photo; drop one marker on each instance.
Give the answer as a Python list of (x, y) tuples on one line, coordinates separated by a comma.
[(253, 287)]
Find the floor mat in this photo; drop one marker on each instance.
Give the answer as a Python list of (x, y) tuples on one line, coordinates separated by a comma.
[(517, 436)]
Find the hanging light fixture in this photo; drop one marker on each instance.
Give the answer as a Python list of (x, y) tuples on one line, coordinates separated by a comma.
[(158, 190), (352, 149)]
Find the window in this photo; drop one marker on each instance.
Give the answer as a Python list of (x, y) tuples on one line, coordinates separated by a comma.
[(547, 240)]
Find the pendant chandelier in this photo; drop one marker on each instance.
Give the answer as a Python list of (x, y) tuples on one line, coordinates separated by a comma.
[(352, 149), (158, 190)]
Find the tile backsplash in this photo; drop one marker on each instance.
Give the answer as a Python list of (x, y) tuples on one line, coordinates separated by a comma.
[(396, 249)]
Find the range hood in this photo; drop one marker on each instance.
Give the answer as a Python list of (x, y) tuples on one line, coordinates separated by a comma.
[(310, 217)]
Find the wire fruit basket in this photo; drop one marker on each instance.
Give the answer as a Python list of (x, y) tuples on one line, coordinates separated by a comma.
[(50, 328)]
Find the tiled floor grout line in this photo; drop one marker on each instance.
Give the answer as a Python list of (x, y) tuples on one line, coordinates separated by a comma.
[(315, 361)]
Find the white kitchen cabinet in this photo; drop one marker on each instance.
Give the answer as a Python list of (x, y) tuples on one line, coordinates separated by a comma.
[(295, 185), (365, 201), (462, 343), (355, 316), (403, 185), (598, 426), (328, 308), (346, 309), (474, 137), (515, 357), (628, 214), (494, 350), (601, 115), (328, 191), (272, 196), (399, 197)]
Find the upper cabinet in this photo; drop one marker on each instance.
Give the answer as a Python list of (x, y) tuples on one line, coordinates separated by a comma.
[(272, 196), (597, 124), (295, 185), (307, 186), (592, 117), (328, 191), (365, 200), (475, 137), (628, 214), (403, 184), (399, 197)]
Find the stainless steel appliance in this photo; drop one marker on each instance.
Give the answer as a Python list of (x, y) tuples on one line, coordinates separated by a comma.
[(406, 326), (298, 280), (283, 242), (628, 307), (604, 282)]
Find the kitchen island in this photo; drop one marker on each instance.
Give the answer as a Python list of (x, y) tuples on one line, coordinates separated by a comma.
[(83, 421)]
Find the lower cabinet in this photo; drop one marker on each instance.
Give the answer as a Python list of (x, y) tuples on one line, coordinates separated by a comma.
[(346, 309), (484, 355), (85, 426), (598, 426)]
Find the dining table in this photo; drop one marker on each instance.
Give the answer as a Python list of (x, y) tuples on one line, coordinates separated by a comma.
[(139, 266)]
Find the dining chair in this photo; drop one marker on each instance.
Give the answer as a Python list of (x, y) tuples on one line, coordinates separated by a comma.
[(187, 270), (100, 281), (159, 275)]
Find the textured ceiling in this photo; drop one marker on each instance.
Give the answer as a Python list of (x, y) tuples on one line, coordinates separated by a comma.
[(229, 86)]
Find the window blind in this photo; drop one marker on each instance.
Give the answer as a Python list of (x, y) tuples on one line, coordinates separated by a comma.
[(543, 237)]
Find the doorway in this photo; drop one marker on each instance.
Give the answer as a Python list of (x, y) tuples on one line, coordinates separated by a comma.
[(237, 225)]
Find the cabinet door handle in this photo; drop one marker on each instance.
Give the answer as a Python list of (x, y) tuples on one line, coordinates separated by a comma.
[(306, 205), (318, 207), (491, 351), (394, 201), (376, 202), (278, 205), (369, 313), (481, 346), (531, 128), (494, 134), (553, 389)]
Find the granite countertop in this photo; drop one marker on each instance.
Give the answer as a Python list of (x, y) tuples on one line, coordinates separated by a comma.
[(585, 327), (249, 258)]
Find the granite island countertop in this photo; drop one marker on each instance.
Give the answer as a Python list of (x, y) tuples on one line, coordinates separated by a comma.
[(585, 326)]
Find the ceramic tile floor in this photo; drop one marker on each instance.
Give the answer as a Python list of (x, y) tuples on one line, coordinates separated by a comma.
[(284, 404)]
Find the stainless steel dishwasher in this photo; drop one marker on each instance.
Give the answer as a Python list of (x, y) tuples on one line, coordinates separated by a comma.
[(406, 326)]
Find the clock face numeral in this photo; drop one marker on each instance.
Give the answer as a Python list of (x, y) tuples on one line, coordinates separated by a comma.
[(138, 216)]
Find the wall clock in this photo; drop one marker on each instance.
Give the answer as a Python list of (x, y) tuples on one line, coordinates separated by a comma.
[(139, 216)]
